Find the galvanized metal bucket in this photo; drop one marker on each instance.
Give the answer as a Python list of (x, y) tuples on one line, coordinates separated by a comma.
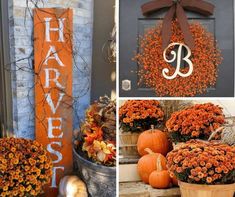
[(100, 180)]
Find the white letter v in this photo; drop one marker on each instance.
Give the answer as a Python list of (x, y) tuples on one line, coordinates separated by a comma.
[(51, 104)]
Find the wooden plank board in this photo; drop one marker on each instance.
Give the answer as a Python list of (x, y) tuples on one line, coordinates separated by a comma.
[(53, 88), (140, 189)]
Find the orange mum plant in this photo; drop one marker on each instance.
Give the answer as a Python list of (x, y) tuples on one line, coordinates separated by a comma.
[(198, 121), (201, 162), (139, 115), (97, 137), (25, 167), (205, 58)]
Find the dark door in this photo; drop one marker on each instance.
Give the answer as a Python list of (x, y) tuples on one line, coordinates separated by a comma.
[(133, 24), (103, 65)]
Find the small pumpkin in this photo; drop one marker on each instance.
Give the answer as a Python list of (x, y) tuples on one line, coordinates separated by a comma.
[(154, 139), (72, 186), (174, 179), (160, 178), (148, 163)]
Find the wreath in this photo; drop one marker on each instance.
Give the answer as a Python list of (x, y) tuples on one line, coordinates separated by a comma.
[(158, 44), (205, 58)]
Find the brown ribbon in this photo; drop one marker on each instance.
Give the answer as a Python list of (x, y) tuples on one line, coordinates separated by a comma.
[(177, 8)]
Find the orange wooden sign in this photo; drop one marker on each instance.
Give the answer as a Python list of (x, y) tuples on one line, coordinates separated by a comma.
[(53, 88)]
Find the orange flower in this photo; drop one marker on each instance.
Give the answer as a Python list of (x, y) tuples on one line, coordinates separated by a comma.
[(22, 189), (27, 168), (200, 175), (33, 192), (13, 149), (216, 163), (28, 188), (5, 188), (194, 172), (211, 172), (179, 170), (15, 192), (15, 161), (198, 169), (202, 163), (209, 180), (208, 165), (218, 170), (11, 155), (32, 161), (20, 179)]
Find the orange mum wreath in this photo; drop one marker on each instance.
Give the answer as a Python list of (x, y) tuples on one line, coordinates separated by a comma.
[(205, 58)]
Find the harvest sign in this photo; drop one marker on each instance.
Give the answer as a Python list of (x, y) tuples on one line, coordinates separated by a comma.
[(53, 88)]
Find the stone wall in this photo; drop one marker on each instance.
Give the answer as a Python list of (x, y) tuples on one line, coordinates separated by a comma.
[(21, 42)]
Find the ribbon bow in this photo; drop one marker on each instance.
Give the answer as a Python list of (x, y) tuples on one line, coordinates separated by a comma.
[(177, 8)]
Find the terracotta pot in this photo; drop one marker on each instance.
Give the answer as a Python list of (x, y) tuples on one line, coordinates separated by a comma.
[(128, 142), (195, 190)]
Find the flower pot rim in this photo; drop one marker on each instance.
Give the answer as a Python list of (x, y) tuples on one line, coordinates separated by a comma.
[(92, 163), (207, 187)]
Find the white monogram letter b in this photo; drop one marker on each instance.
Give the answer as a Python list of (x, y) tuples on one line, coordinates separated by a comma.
[(186, 59)]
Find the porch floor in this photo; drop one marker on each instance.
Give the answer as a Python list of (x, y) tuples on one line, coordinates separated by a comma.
[(140, 189)]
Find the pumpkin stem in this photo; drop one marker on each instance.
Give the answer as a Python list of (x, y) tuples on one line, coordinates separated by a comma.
[(149, 151), (152, 127), (159, 164)]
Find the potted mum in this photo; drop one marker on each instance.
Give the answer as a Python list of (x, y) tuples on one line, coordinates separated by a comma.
[(25, 167), (195, 122), (95, 148), (136, 116), (203, 168)]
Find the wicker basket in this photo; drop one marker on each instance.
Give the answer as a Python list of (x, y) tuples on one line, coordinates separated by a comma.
[(128, 144), (195, 190)]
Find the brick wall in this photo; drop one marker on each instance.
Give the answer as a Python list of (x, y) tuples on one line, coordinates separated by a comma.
[(21, 30)]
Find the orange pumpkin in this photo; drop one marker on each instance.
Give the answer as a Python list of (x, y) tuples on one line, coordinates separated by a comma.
[(148, 163), (174, 179), (154, 139), (160, 178)]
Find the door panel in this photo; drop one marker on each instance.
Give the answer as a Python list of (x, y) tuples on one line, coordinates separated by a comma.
[(133, 25)]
